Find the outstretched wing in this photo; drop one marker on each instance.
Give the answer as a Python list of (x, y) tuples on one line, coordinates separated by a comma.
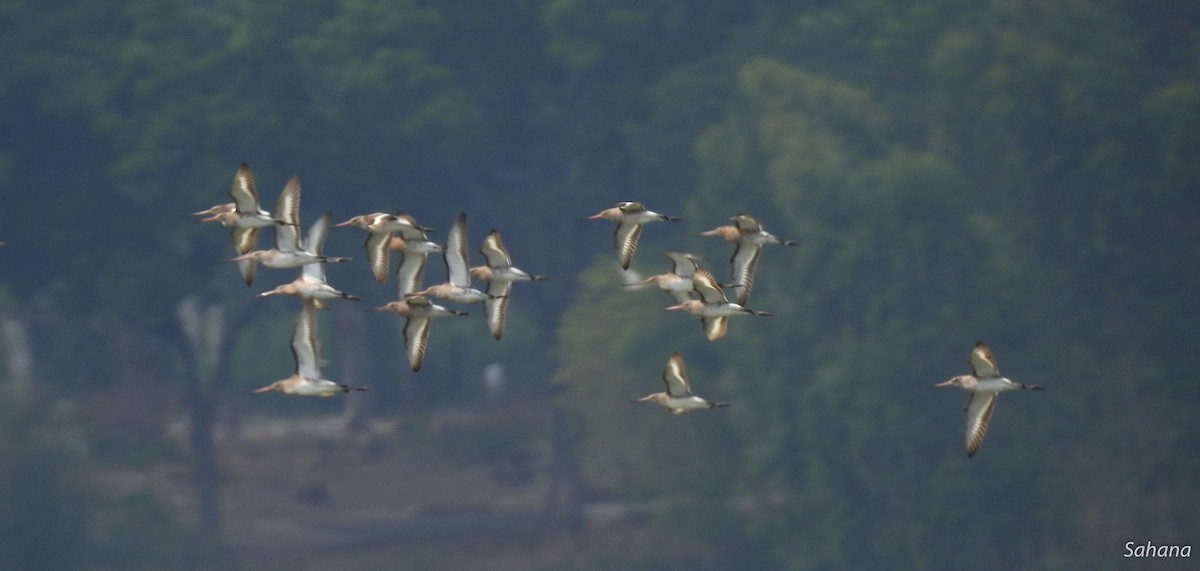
[(979, 414), (982, 362), (675, 376)]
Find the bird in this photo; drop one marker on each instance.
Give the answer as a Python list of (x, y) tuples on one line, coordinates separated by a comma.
[(311, 285), (749, 237), (307, 380), (457, 287), (380, 227), (713, 308), (985, 384), (677, 283), (629, 217), (244, 217), (287, 252), (500, 274), (678, 397), (417, 311)]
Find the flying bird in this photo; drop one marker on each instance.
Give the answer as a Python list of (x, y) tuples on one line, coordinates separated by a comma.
[(629, 216), (713, 308), (749, 237), (287, 252), (678, 283), (678, 397), (457, 287), (417, 312), (985, 384), (311, 285), (500, 274), (380, 228), (243, 216), (307, 380)]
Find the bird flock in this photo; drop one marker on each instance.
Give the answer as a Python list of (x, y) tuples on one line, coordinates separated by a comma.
[(693, 287)]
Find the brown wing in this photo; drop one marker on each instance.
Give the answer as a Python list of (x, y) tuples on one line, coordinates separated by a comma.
[(493, 249), (706, 285), (715, 327), (242, 191), (982, 362), (675, 376)]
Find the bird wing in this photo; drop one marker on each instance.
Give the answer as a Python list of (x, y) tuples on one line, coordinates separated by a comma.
[(246, 268), (493, 249), (315, 243), (682, 265), (675, 376), (242, 191), (746, 223), (416, 336), (304, 343), (410, 273), (715, 327), (744, 260), (706, 285), (497, 306), (287, 210), (626, 239), (455, 253), (978, 415), (983, 364), (378, 256), (244, 239)]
